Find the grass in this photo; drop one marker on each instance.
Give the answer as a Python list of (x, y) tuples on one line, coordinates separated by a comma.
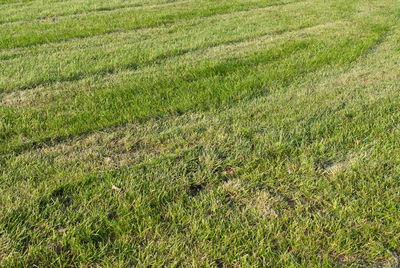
[(199, 133)]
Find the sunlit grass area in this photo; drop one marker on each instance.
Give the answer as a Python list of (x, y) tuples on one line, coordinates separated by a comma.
[(199, 133)]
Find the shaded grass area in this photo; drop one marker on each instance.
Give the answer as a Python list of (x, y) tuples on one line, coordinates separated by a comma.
[(280, 149)]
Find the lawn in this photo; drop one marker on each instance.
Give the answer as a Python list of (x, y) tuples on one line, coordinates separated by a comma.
[(199, 133)]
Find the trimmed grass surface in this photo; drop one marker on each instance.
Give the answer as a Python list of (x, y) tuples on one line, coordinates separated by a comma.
[(204, 133)]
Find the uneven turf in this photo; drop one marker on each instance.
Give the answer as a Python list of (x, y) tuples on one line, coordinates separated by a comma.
[(235, 133)]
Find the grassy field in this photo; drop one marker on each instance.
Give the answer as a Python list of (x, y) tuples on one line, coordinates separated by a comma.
[(199, 133)]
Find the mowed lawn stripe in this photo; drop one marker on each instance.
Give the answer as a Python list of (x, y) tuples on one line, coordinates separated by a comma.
[(15, 2), (54, 11), (28, 34), (246, 145), (169, 28), (110, 54), (144, 97), (241, 161), (41, 96)]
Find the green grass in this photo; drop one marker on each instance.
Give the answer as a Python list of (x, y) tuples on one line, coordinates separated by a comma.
[(241, 133)]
